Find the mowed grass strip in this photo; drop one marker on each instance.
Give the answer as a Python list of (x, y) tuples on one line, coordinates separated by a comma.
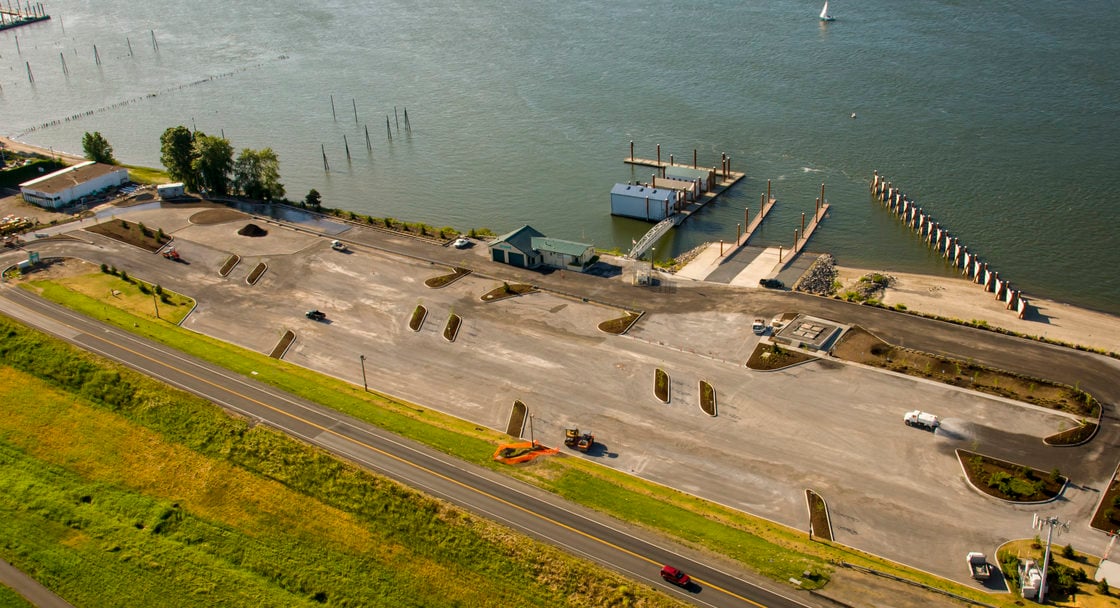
[(146, 496)]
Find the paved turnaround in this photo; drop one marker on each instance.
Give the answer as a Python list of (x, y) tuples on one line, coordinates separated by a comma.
[(529, 510)]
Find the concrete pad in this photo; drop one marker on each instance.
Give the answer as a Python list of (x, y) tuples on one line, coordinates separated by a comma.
[(1107, 570), (702, 265), (757, 270)]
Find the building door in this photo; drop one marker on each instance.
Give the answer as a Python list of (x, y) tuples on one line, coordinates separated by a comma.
[(516, 259), (498, 255)]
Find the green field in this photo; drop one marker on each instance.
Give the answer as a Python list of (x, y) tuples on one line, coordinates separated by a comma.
[(776, 551), (116, 490)]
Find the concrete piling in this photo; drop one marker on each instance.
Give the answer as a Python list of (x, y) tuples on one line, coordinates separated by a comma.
[(942, 241)]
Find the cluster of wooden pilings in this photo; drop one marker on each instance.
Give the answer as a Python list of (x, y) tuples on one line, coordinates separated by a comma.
[(937, 236)]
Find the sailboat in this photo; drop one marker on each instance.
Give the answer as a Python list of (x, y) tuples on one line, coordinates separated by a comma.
[(824, 13)]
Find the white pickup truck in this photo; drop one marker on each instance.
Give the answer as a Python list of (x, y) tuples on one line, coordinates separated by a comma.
[(922, 420)]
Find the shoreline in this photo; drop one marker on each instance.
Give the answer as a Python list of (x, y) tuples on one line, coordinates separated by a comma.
[(962, 299), (929, 294)]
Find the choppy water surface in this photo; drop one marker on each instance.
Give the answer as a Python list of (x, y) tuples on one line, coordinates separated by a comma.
[(1001, 118)]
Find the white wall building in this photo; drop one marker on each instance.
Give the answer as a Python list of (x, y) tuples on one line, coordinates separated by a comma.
[(65, 186)]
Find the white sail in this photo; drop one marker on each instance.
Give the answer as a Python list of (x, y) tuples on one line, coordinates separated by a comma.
[(824, 12)]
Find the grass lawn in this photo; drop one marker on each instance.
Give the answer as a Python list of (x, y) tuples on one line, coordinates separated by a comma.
[(147, 175), (771, 549), (145, 496)]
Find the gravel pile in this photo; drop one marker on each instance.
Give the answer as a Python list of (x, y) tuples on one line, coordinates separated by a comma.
[(819, 278)]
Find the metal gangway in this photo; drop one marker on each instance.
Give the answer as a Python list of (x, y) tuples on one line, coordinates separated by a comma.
[(659, 230)]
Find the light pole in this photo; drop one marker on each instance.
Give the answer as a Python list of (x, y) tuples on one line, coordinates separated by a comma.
[(1049, 522), (365, 386)]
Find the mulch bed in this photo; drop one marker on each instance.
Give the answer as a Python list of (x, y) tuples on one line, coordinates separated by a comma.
[(418, 315), (517, 419), (661, 385), (446, 279), (507, 290), (129, 232), (1107, 517), (860, 346), (255, 275), (282, 346), (768, 357), (451, 331), (230, 262), (1072, 437), (818, 516), (620, 325), (708, 398), (1010, 481), (216, 216)]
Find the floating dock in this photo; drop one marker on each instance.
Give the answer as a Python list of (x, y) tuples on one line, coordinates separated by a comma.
[(718, 182), (10, 18)]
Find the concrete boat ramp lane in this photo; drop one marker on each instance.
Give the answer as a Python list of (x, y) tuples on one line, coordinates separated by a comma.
[(829, 426)]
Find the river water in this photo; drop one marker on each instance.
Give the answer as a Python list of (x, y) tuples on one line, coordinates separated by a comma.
[(1001, 118)]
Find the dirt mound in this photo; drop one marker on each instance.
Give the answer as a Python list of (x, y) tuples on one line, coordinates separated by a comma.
[(252, 230)]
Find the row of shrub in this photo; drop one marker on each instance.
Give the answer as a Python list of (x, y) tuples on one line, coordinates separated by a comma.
[(145, 288)]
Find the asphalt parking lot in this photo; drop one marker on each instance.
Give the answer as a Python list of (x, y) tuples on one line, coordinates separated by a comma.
[(832, 427)]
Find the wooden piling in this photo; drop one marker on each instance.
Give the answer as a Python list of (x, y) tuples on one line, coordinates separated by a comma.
[(747, 216), (346, 145), (388, 129), (155, 45), (326, 166), (96, 57), (369, 146), (658, 155), (738, 233), (354, 103), (396, 120), (693, 158), (671, 162), (30, 77), (767, 199), (333, 115), (65, 70), (129, 43), (802, 223), (631, 149), (407, 125), (796, 233)]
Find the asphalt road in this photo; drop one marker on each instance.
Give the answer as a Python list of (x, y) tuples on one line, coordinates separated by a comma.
[(529, 510)]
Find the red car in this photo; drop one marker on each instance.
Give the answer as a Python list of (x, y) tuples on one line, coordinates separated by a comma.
[(675, 576)]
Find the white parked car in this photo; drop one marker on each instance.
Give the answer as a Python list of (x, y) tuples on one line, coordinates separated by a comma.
[(461, 243), (759, 326)]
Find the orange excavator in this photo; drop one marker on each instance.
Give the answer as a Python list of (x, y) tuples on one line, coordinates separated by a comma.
[(577, 441)]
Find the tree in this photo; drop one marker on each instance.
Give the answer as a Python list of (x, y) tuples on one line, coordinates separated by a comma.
[(212, 163), (313, 199), (256, 173), (97, 148), (177, 155)]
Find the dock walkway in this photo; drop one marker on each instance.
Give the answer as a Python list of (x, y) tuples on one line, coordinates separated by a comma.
[(722, 181)]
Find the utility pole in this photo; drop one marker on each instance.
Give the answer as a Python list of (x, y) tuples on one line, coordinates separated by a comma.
[(365, 386), (532, 437), (155, 301), (1049, 523)]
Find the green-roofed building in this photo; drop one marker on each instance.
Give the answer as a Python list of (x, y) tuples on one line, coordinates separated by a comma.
[(528, 248)]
